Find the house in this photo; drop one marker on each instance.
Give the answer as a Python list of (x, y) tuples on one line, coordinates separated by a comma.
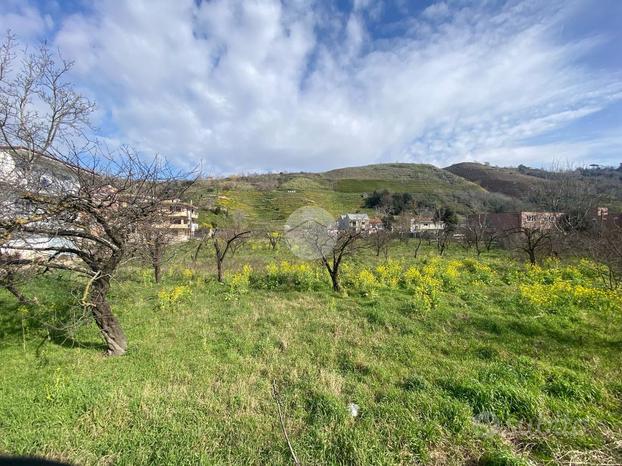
[(508, 222), (35, 173), (356, 222), (375, 225), (41, 173), (425, 224), (181, 219)]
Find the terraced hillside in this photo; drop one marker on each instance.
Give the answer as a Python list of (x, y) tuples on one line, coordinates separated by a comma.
[(268, 199)]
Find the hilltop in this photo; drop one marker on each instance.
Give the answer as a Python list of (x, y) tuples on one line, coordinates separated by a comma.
[(508, 181), (266, 200)]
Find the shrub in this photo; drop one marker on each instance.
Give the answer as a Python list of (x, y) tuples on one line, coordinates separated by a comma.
[(365, 282), (169, 297), (285, 275), (389, 273), (240, 281), (477, 271)]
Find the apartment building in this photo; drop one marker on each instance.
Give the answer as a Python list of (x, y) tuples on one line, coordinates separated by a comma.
[(181, 219)]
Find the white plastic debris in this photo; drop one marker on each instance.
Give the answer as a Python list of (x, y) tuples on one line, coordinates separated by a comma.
[(354, 409)]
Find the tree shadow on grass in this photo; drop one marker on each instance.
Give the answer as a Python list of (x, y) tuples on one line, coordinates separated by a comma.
[(29, 461), (53, 322), (524, 332)]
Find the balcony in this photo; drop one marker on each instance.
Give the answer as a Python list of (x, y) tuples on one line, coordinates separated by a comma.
[(183, 214)]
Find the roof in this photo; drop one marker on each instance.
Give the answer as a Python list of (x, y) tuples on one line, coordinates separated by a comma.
[(356, 216), (422, 218)]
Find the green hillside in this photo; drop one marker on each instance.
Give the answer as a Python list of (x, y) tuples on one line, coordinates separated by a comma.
[(267, 200)]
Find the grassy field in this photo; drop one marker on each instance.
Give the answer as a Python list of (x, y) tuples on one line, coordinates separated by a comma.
[(450, 361)]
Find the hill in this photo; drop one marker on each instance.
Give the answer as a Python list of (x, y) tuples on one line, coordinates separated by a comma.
[(604, 183), (508, 181), (268, 199)]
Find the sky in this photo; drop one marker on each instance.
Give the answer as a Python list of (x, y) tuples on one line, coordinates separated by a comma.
[(268, 85)]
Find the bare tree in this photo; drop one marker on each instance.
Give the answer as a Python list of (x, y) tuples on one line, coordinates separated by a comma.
[(443, 240), (223, 242), (90, 228), (401, 226), (274, 238), (344, 245), (68, 203), (532, 241), (39, 108), (40, 114), (479, 233), (154, 241), (12, 274), (418, 242), (380, 241), (315, 236), (602, 242)]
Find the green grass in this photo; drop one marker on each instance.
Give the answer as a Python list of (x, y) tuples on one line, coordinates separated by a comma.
[(479, 378), (267, 200)]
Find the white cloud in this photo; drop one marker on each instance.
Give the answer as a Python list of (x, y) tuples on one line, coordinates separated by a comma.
[(265, 85), (24, 19)]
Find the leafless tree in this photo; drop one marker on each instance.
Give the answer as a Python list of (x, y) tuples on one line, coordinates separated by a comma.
[(479, 233), (90, 228), (418, 242), (274, 238), (532, 241), (380, 241), (401, 227), (601, 241), (154, 240), (223, 241), (443, 240), (12, 274), (39, 108), (316, 237), (345, 243), (40, 114), (204, 234), (69, 203)]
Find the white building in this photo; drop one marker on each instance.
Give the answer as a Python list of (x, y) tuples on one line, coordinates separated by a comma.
[(356, 222), (424, 224), (22, 169), (181, 219)]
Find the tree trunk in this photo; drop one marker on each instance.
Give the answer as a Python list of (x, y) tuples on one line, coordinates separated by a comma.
[(418, 246), (157, 272), (532, 256), (195, 256), (334, 277), (219, 268), (104, 318)]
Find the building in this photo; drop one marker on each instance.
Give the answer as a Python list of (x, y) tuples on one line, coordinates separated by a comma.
[(35, 173), (508, 222), (181, 219), (375, 225), (355, 222), (43, 174), (424, 224)]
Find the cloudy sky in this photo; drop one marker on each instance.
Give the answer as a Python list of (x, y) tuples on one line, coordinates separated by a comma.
[(262, 85)]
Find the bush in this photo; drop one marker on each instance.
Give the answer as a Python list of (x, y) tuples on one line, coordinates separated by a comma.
[(169, 297), (285, 275)]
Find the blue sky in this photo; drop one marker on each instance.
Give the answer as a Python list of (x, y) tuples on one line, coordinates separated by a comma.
[(262, 85)]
